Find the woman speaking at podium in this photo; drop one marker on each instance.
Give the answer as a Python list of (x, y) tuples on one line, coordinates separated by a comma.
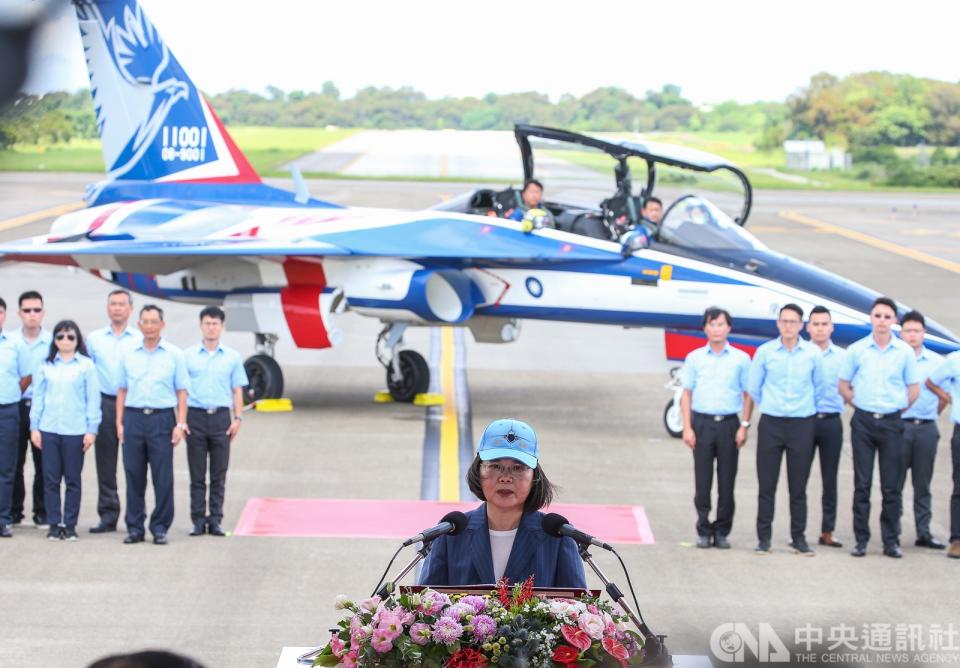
[(503, 537)]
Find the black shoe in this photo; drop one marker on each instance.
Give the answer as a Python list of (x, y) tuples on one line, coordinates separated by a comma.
[(40, 521), (133, 538), (721, 542), (159, 538), (859, 550), (6, 531), (54, 533), (103, 528), (763, 548), (704, 542), (69, 533), (827, 539), (215, 529), (199, 528), (17, 520), (800, 547), (892, 551), (931, 542)]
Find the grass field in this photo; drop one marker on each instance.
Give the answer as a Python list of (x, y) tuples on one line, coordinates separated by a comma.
[(269, 149)]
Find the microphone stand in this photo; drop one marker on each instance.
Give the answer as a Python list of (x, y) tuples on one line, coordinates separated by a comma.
[(384, 591), (655, 652), (389, 586)]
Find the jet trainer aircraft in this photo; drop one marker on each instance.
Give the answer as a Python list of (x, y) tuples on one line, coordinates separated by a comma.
[(183, 216)]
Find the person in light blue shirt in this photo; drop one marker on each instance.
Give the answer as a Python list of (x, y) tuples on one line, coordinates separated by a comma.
[(785, 378), (945, 383), (64, 418), (714, 383), (151, 421), (880, 378), (106, 347), (217, 379), (828, 427), (35, 342), (13, 369), (920, 433)]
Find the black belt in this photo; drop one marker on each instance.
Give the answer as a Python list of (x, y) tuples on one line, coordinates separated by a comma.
[(26, 402), (209, 411), (717, 418), (880, 416), (918, 421), (827, 416), (12, 403), (149, 411), (108, 396)]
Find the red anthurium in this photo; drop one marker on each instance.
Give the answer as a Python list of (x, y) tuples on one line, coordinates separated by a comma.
[(576, 637), (616, 649), (467, 658), (566, 655)]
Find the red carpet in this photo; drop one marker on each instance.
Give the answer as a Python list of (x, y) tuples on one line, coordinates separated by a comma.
[(366, 518)]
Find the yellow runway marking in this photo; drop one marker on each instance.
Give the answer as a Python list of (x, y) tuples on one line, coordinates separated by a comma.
[(449, 428), (882, 244), (28, 218)]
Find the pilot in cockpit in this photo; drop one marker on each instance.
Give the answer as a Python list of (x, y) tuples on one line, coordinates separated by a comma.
[(652, 212), (532, 209)]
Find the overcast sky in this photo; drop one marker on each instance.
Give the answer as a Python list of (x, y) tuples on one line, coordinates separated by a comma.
[(747, 50)]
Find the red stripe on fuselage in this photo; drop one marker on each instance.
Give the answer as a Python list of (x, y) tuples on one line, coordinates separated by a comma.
[(301, 308), (301, 303)]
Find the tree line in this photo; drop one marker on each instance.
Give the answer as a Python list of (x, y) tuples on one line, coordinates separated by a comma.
[(860, 110)]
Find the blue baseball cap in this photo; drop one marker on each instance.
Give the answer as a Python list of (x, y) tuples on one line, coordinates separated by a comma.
[(509, 438)]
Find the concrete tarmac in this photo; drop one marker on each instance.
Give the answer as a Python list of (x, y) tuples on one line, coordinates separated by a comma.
[(595, 396)]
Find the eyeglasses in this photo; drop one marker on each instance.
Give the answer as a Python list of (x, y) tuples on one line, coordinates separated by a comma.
[(69, 337), (495, 469), (32, 310)]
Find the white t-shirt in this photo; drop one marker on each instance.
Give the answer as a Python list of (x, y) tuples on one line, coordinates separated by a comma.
[(501, 542)]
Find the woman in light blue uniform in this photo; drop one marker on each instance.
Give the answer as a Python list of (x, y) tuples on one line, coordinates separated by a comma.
[(64, 419)]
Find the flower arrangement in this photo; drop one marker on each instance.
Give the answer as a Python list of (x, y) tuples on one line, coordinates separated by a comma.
[(510, 627)]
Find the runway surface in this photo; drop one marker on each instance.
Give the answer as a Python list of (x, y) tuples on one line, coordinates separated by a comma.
[(595, 396)]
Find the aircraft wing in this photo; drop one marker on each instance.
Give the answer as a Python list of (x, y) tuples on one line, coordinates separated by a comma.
[(454, 239)]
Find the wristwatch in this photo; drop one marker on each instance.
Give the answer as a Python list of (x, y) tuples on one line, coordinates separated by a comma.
[(745, 424), (237, 418)]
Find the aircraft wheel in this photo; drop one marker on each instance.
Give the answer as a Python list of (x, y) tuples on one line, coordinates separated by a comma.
[(416, 377), (266, 379), (672, 419)]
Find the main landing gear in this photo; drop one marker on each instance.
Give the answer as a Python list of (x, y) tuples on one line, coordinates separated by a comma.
[(408, 373), (263, 373)]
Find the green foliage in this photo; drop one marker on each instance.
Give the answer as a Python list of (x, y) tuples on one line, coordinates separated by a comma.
[(877, 108)]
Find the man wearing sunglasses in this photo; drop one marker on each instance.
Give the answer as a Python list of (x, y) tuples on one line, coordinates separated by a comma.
[(13, 367), (35, 342), (880, 378)]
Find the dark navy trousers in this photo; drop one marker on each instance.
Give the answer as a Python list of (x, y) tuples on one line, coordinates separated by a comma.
[(19, 481), (208, 440), (62, 460), (9, 432), (881, 440), (828, 440), (146, 442)]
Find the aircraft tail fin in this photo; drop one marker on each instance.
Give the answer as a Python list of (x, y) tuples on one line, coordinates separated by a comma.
[(154, 123)]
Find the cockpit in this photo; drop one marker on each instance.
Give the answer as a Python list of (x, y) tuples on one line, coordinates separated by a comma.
[(694, 222)]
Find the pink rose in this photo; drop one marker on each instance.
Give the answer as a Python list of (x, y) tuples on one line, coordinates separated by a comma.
[(592, 624)]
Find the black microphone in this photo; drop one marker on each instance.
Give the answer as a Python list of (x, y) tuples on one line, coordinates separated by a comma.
[(557, 525), (452, 523)]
